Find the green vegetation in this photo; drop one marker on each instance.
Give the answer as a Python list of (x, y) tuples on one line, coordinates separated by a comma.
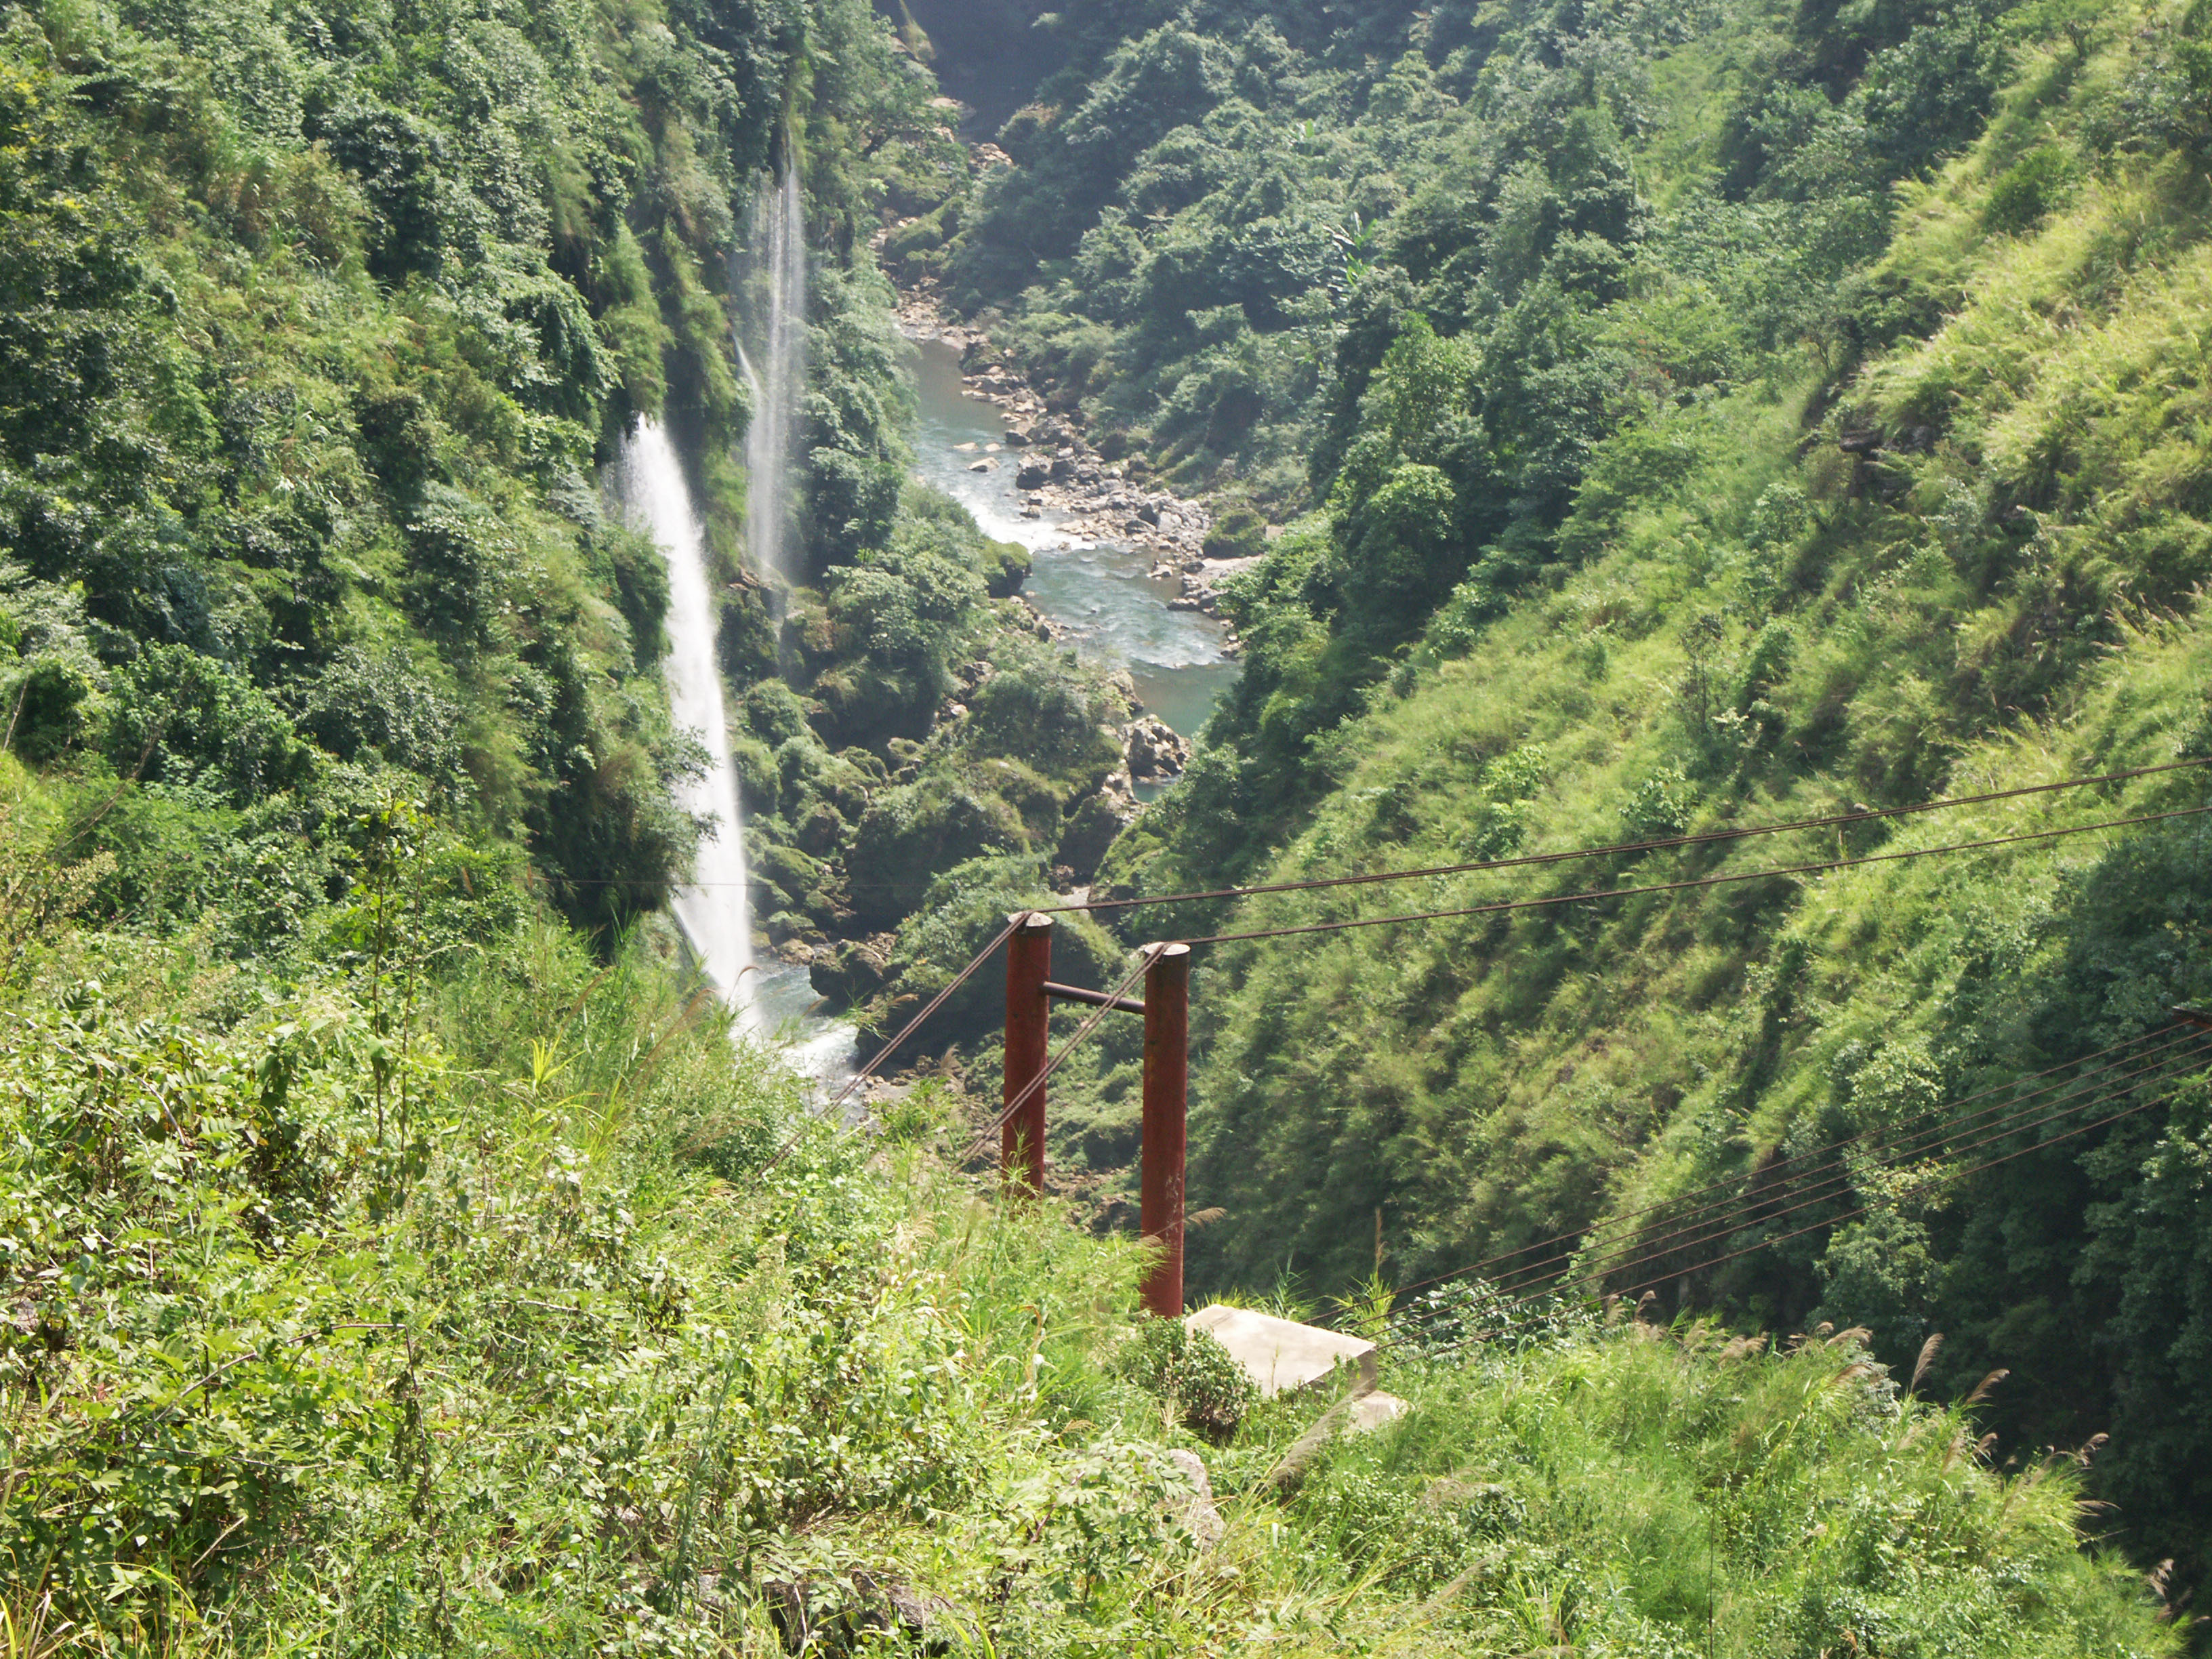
[(319, 329), (1679, 419), (1692, 417), (461, 1300)]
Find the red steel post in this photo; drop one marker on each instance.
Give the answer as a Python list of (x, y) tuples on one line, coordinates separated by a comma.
[(1029, 965), (1167, 1070)]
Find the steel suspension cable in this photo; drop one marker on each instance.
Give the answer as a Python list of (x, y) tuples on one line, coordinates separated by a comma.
[(1852, 1214), (1703, 838), (1730, 1181), (1718, 1234), (1869, 814), (892, 1047), (1549, 901), (1769, 873), (1561, 1285), (1090, 1024), (1898, 1148), (1629, 1255)]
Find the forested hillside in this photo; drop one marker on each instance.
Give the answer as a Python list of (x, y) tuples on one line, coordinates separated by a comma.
[(1676, 418), (1657, 421)]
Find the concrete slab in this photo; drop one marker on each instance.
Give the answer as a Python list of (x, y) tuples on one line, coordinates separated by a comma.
[(1372, 1411), (1281, 1353)]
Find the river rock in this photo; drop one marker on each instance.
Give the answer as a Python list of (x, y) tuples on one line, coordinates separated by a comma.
[(1154, 750), (854, 971), (1093, 826), (1034, 475)]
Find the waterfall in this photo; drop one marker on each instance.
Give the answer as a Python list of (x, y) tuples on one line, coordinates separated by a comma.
[(776, 296), (716, 910)]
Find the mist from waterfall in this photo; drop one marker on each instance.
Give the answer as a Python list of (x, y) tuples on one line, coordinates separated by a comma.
[(715, 908), (775, 292)]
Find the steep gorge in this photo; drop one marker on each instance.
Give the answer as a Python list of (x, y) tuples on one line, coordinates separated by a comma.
[(1675, 420), (1641, 421)]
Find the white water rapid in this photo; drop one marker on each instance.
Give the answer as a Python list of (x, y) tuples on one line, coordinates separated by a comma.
[(716, 910), (776, 369)]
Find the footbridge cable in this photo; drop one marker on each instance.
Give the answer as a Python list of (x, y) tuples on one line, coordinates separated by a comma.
[(1923, 1185), (1690, 883), (1913, 1139), (1865, 815)]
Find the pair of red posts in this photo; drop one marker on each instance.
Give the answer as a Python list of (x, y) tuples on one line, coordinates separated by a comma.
[(1031, 991)]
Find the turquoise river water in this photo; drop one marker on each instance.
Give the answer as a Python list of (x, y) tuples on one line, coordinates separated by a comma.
[(1103, 592)]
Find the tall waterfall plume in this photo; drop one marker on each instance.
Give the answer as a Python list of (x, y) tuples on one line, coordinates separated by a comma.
[(716, 910), (775, 369)]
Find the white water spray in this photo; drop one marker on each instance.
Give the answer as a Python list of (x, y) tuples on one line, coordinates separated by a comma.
[(716, 910), (777, 373)]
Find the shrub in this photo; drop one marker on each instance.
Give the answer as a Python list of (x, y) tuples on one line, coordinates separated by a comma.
[(1661, 807), (1192, 1375), (1238, 533), (2027, 190), (1043, 713), (362, 702), (909, 833)]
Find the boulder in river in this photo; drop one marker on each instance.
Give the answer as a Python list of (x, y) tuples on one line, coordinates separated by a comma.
[(853, 972), (1034, 475), (1154, 750)]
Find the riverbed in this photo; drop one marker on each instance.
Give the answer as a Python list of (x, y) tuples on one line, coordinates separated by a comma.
[(1103, 592)]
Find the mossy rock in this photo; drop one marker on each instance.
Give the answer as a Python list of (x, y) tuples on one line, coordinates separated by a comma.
[(744, 639), (760, 782), (1035, 797), (810, 772), (821, 830), (1092, 828), (790, 872), (1238, 533), (1006, 568), (910, 833), (856, 970), (772, 712)]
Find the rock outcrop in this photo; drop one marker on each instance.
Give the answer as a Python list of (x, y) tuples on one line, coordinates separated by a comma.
[(1153, 751)]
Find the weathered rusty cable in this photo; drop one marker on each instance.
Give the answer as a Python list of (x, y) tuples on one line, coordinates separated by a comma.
[(1586, 895), (891, 1048)]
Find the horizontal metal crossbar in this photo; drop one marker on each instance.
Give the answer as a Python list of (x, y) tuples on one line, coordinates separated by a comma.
[(1095, 999)]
